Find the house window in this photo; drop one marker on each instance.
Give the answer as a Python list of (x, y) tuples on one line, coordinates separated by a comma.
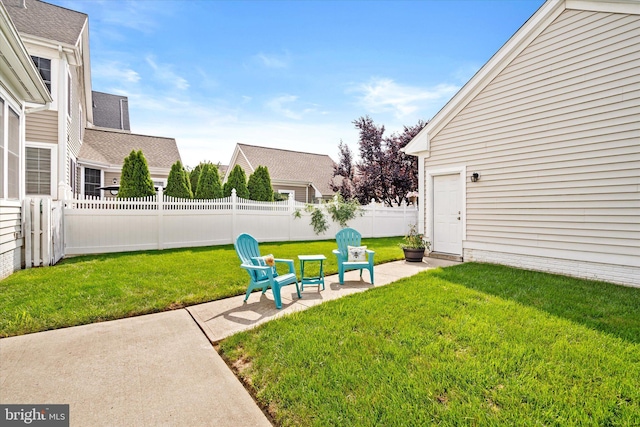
[(91, 182), (13, 158), (44, 67), (9, 152), (38, 171), (288, 193), (2, 144)]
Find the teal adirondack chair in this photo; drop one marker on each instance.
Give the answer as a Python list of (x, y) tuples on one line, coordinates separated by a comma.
[(350, 237), (263, 276)]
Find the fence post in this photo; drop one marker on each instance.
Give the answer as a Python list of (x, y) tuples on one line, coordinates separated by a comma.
[(160, 200), (373, 217), (27, 232), (234, 203), (35, 226), (45, 207), (292, 205)]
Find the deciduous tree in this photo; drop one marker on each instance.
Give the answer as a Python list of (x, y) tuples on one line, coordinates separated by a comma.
[(343, 173), (385, 173)]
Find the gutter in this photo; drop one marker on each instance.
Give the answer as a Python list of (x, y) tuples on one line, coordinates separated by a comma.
[(44, 107)]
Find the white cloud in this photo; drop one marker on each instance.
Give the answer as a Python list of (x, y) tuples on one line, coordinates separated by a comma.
[(115, 71), (273, 60), (165, 74), (385, 95), (282, 105), (204, 133)]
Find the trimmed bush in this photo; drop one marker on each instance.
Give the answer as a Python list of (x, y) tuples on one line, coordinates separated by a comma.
[(238, 180), (209, 186), (178, 182), (260, 185), (194, 176), (135, 180)]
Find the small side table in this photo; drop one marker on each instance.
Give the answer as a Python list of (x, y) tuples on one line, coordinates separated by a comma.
[(312, 280)]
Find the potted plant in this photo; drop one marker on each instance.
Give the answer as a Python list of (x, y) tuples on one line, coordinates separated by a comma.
[(414, 245)]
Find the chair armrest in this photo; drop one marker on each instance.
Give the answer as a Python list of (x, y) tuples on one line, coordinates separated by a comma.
[(265, 268), (370, 254), (289, 262)]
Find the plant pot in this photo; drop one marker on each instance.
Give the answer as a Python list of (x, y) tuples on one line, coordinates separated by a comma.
[(413, 254)]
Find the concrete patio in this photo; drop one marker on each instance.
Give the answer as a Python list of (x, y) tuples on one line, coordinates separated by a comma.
[(159, 369)]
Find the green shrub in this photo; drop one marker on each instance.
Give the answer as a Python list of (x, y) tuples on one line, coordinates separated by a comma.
[(135, 180), (209, 183), (238, 180), (194, 176), (178, 182), (260, 185)]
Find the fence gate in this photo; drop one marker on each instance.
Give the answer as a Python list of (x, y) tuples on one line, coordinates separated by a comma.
[(43, 232)]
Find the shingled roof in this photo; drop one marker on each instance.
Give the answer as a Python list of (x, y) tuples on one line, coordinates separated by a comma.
[(46, 20), (110, 111), (110, 148), (288, 165)]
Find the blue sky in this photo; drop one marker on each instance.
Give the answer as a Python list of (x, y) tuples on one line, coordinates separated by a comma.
[(288, 74)]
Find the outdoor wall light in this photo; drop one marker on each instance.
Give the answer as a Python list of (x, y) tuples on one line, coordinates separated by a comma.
[(475, 177)]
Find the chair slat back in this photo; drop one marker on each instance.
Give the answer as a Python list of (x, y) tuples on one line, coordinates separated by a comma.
[(347, 237), (246, 248)]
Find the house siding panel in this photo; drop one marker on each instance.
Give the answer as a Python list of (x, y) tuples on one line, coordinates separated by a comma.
[(10, 246), (42, 127), (243, 164), (555, 139), (300, 192)]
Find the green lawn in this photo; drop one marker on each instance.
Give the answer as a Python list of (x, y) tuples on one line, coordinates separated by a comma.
[(472, 345), (96, 288)]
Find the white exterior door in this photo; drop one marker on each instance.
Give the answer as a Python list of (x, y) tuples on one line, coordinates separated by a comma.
[(447, 214)]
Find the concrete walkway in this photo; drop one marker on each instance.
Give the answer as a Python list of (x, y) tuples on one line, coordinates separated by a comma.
[(159, 369)]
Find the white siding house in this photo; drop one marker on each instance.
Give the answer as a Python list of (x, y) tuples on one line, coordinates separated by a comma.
[(57, 39), (551, 127), (21, 91)]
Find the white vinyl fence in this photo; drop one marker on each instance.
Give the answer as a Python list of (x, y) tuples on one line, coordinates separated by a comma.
[(162, 222)]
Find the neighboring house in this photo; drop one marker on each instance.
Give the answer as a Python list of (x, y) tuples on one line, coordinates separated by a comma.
[(58, 41), (110, 111), (222, 170), (103, 152), (305, 175), (535, 163), (22, 92)]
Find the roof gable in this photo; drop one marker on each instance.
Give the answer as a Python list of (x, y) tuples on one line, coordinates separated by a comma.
[(540, 20), (111, 148), (17, 67), (46, 20), (287, 165)]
